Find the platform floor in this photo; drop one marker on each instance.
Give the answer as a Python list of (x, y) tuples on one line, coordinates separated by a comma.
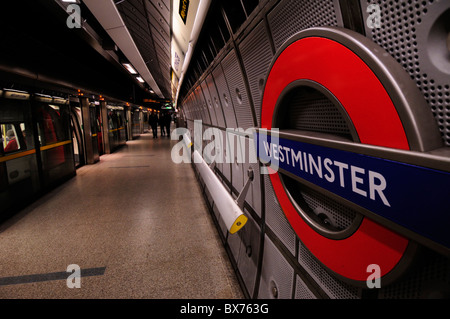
[(135, 223)]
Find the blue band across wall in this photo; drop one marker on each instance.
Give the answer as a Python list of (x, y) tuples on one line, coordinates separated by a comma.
[(415, 197)]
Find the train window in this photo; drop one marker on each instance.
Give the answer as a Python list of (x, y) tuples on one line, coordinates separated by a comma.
[(12, 135), (51, 121)]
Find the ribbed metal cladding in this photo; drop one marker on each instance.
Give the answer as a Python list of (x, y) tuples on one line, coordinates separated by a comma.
[(290, 17), (256, 54), (405, 33), (134, 14), (238, 90)]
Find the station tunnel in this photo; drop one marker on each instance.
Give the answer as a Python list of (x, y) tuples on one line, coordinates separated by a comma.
[(198, 149)]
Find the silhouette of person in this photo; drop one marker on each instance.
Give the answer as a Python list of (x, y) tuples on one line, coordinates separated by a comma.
[(153, 122)]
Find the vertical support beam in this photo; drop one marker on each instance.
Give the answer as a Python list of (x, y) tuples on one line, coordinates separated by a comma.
[(86, 115), (129, 122), (105, 127)]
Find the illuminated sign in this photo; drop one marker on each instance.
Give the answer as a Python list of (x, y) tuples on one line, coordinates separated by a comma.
[(400, 192), (184, 7)]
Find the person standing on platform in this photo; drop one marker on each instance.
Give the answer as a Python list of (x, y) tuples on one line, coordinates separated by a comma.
[(153, 122)]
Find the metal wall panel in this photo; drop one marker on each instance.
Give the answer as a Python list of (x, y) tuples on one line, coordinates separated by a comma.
[(216, 104), (257, 55), (253, 197), (415, 34), (290, 17), (238, 91), (225, 97), (247, 261), (302, 291), (276, 219), (209, 104), (237, 175), (277, 275)]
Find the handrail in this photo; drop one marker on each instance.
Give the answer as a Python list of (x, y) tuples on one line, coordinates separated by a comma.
[(228, 208)]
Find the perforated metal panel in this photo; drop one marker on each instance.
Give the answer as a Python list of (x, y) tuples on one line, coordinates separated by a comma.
[(216, 104), (302, 291), (238, 90), (248, 258), (276, 219), (225, 97), (200, 103), (428, 280), (415, 34), (290, 17), (342, 217), (237, 175), (254, 193), (226, 167), (222, 226), (334, 288), (256, 54), (308, 109), (277, 275), (234, 242)]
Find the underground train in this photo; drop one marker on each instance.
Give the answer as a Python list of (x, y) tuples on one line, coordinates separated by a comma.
[(46, 135), (346, 105)]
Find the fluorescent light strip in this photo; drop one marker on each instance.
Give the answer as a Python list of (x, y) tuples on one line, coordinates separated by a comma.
[(140, 79), (129, 68)]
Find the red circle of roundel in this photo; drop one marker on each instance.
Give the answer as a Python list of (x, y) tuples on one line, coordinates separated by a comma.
[(376, 121)]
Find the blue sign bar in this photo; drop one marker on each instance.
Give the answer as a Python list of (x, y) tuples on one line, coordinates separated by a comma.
[(415, 197)]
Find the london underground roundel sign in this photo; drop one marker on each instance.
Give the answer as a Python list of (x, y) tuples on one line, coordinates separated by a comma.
[(365, 82)]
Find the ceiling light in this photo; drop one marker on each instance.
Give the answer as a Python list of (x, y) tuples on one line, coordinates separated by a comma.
[(140, 79), (130, 68)]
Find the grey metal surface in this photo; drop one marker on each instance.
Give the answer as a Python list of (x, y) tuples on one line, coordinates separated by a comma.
[(290, 17), (256, 55), (238, 90), (415, 34), (276, 219), (277, 275)]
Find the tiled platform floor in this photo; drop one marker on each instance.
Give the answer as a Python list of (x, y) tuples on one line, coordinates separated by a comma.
[(136, 213)]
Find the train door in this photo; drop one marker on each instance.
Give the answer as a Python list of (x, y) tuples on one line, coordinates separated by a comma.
[(19, 173), (54, 139), (77, 134)]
